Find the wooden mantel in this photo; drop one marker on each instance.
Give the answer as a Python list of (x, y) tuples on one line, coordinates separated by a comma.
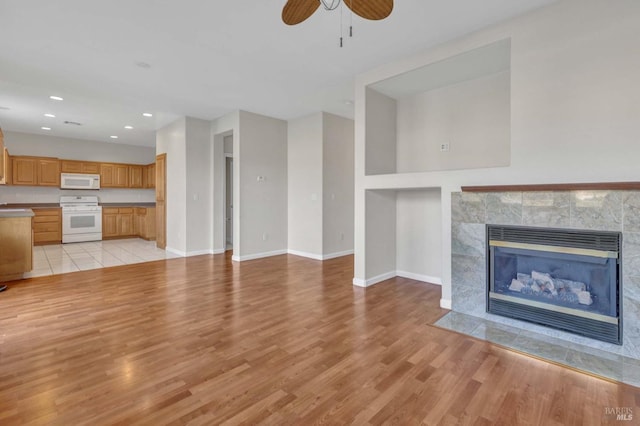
[(599, 186)]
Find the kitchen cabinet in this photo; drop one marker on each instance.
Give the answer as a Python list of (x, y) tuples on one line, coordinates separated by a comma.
[(47, 226), (117, 222), (16, 248), (73, 166), (161, 206), (150, 176), (35, 171), (3, 154), (145, 222), (135, 176), (114, 175)]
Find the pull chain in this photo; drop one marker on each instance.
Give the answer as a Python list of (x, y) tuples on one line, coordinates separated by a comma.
[(341, 9)]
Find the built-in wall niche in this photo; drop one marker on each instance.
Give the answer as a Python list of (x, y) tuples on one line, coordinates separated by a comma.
[(448, 115), (404, 234)]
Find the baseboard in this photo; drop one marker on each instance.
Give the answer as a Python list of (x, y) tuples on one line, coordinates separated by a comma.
[(445, 303), (218, 251), (374, 280), (383, 277), (320, 256), (258, 255), (419, 277), (337, 254), (305, 254), (192, 253), (176, 251)]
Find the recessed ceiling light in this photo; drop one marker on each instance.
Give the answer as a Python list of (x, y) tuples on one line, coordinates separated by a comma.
[(128, 127), (50, 115), (114, 137), (143, 65), (147, 114), (45, 128), (56, 98), (5, 108)]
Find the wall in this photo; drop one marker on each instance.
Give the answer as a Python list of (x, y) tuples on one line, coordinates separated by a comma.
[(574, 107), (380, 128), (198, 190), (171, 140), (419, 235), (224, 131), (381, 237), (472, 117), (337, 182), (74, 149), (305, 185), (262, 148)]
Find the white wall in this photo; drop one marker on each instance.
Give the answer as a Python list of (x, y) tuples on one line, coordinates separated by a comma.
[(473, 117), (305, 185), (223, 133), (419, 235), (172, 141), (74, 149), (380, 129), (381, 236), (337, 178), (261, 144), (575, 104), (198, 190)]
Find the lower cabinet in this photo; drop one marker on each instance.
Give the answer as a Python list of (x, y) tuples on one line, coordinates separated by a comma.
[(117, 222), (120, 222), (47, 226)]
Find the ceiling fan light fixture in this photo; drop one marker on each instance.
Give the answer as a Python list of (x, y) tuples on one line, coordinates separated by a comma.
[(330, 4)]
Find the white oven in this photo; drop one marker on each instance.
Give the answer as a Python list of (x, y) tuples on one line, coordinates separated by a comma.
[(81, 219)]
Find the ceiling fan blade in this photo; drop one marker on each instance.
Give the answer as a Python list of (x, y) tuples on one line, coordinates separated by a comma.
[(371, 9), (296, 11)]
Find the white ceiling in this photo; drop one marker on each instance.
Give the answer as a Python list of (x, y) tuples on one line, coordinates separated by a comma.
[(207, 58)]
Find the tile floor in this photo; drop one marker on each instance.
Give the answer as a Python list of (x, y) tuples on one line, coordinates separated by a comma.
[(63, 258)]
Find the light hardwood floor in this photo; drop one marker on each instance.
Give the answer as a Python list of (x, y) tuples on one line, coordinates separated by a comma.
[(283, 340)]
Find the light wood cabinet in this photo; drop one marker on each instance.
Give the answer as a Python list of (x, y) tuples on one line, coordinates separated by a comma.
[(145, 223), (149, 177), (3, 154), (47, 226), (35, 171), (16, 248), (73, 166), (24, 171), (135, 176), (161, 207), (48, 172), (114, 175), (117, 222)]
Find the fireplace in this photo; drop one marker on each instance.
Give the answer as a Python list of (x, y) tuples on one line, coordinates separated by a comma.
[(562, 278)]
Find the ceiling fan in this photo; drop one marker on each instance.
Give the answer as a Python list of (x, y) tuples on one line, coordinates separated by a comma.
[(296, 11)]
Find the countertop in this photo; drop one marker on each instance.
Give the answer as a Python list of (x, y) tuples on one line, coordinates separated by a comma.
[(12, 212), (30, 206), (128, 204), (36, 206)]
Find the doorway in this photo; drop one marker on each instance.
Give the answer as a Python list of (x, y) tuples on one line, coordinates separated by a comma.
[(228, 207)]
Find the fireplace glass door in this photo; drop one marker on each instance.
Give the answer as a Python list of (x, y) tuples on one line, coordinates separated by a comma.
[(563, 279)]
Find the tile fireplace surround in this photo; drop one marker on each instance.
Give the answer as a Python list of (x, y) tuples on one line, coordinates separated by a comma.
[(605, 210)]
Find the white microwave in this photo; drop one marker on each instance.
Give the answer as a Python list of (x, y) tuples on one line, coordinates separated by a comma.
[(79, 181)]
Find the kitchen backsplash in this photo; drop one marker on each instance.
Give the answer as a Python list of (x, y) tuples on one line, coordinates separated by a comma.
[(33, 194)]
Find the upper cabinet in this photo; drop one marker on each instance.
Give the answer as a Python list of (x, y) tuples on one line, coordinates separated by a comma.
[(3, 168), (113, 175), (136, 176), (35, 171), (72, 166), (149, 177)]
